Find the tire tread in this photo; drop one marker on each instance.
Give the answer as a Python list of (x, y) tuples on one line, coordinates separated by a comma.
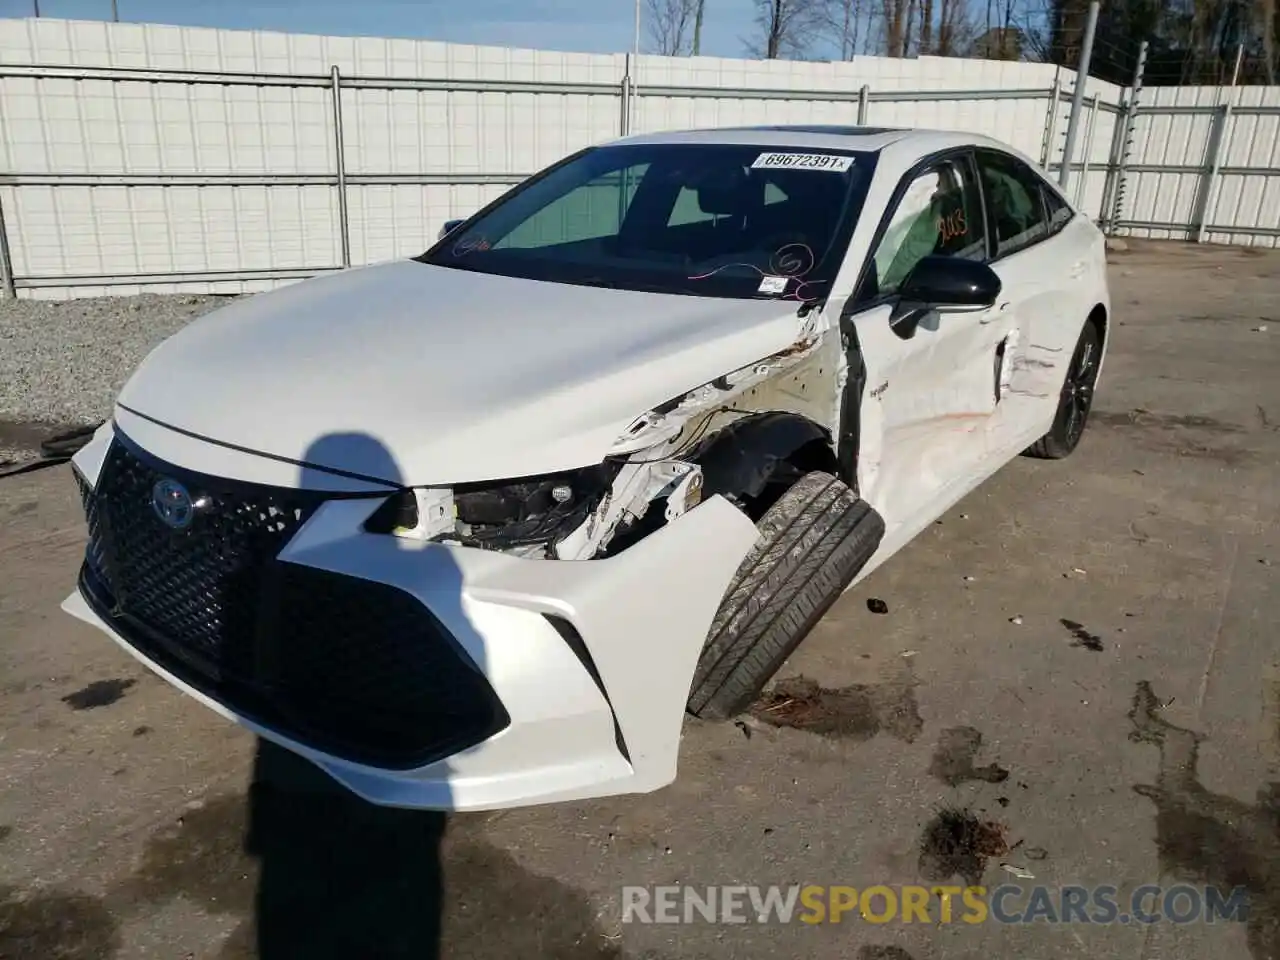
[(812, 544)]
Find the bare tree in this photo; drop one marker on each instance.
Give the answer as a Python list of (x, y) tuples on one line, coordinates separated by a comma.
[(947, 28), (673, 25), (786, 28), (926, 27), (842, 20), (895, 12), (1267, 28), (852, 26), (902, 28), (949, 12)]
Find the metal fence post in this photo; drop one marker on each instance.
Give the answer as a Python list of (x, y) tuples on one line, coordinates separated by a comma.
[(1077, 95), (624, 122), (864, 102), (1130, 116), (340, 167), (6, 262), (1051, 120), (1221, 142), (1113, 160), (1088, 149)]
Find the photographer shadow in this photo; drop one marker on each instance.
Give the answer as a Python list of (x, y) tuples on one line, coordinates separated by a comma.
[(343, 878)]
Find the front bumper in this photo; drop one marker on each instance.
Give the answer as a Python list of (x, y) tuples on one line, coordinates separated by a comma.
[(589, 661)]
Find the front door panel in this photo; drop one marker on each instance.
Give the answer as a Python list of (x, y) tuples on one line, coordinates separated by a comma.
[(929, 407)]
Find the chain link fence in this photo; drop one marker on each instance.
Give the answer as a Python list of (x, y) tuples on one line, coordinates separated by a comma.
[(1196, 152)]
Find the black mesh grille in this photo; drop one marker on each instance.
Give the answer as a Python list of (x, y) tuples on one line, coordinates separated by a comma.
[(358, 669), (200, 587), (389, 692), (93, 553)]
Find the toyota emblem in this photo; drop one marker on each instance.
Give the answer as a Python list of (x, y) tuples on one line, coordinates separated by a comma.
[(172, 504)]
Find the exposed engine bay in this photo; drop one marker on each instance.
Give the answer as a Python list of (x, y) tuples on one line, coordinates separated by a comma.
[(651, 477)]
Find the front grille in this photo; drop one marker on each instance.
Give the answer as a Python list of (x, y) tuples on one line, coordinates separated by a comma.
[(201, 586), (355, 668)]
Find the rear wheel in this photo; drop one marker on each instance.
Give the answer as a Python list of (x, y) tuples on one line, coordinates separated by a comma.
[(813, 541), (1075, 401)]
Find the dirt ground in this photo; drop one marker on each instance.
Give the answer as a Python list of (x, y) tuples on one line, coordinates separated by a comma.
[(1076, 678)]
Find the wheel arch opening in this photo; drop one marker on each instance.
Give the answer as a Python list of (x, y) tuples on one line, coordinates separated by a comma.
[(1098, 317), (756, 459)]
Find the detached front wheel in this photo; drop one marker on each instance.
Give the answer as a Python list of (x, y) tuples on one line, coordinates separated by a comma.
[(813, 541)]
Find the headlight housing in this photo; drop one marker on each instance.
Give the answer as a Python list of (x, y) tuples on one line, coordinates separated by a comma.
[(526, 511), (529, 510)]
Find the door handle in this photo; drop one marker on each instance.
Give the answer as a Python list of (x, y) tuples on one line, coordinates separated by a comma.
[(1077, 269)]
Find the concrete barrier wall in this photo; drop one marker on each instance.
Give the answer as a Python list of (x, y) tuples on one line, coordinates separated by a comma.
[(219, 174)]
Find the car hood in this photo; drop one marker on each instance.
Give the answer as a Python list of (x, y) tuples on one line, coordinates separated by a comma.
[(417, 374)]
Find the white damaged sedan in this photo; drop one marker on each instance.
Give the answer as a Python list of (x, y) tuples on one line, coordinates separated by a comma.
[(476, 529)]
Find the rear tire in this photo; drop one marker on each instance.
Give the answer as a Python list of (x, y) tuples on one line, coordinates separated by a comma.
[(813, 541), (1075, 400)]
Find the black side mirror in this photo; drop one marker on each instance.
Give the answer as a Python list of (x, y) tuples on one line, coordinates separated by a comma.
[(949, 284), (449, 227)]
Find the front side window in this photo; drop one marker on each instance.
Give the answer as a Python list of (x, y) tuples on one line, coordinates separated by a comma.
[(1014, 197), (717, 220), (939, 213)]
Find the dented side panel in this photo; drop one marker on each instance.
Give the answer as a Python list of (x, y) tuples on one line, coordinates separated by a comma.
[(808, 388), (656, 447), (930, 411), (1048, 285), (794, 379)]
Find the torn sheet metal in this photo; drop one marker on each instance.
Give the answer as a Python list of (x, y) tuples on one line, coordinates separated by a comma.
[(657, 439), (634, 489), (1037, 372), (666, 421)]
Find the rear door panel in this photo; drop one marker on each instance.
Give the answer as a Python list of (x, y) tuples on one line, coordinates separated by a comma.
[(1048, 316), (1045, 284)]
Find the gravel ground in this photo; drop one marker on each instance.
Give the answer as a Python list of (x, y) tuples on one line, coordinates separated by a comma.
[(64, 361)]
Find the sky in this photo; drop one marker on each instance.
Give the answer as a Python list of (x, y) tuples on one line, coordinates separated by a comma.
[(588, 26)]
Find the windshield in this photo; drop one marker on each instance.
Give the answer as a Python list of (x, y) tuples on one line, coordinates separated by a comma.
[(715, 220)]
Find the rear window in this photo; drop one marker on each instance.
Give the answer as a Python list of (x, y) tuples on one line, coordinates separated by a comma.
[(715, 220)]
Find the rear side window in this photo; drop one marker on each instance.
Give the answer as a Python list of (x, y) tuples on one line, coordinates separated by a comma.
[(1015, 199)]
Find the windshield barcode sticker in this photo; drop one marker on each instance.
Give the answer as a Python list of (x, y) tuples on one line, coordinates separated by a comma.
[(802, 161)]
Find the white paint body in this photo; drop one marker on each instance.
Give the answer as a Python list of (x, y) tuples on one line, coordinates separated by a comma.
[(405, 374)]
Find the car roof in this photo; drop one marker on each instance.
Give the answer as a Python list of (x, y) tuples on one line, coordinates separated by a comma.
[(905, 141)]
